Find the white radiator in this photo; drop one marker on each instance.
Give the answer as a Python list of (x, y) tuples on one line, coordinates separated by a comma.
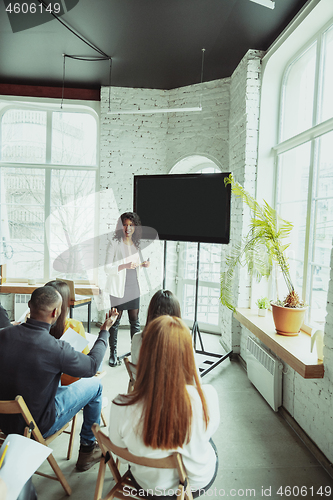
[(20, 305), (265, 373)]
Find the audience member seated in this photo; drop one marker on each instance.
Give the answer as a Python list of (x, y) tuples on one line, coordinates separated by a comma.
[(4, 319), (168, 410), (31, 363), (63, 322), (163, 302)]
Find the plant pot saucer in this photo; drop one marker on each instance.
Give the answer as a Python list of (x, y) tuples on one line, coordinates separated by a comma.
[(287, 334)]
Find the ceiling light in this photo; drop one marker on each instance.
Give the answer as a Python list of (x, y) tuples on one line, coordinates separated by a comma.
[(265, 3), (154, 111)]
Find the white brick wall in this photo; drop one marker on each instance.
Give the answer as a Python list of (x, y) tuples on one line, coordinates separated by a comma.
[(243, 145), (153, 144)]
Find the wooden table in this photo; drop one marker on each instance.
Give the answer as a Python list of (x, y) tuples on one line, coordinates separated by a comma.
[(80, 290), (78, 303)]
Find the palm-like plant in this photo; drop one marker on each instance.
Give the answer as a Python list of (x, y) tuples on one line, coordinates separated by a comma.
[(259, 249)]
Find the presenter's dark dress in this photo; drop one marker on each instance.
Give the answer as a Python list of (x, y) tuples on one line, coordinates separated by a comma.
[(131, 298), (129, 302)]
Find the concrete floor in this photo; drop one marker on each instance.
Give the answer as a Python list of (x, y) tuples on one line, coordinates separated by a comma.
[(259, 454)]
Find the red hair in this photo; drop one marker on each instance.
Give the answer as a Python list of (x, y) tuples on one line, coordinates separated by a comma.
[(166, 365)]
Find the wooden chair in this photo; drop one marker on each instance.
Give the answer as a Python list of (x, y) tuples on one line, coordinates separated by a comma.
[(131, 370), (18, 406), (173, 461)]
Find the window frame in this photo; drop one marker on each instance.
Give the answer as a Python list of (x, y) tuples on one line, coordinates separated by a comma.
[(309, 136), (49, 106)]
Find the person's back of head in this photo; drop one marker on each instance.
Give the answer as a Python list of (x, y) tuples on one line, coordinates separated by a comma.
[(62, 287), (166, 366), (45, 304), (163, 302)]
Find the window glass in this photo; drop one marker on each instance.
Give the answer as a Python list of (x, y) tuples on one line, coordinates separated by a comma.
[(305, 175), (53, 202), (323, 223), (210, 262), (189, 258), (327, 100), (72, 221), (74, 139), (22, 221), (208, 306), (298, 95), (23, 136), (294, 167)]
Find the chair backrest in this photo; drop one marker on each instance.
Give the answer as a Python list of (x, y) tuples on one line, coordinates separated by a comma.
[(173, 461), (131, 370), (71, 286), (18, 406)]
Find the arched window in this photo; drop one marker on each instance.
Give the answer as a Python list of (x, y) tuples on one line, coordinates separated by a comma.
[(305, 168), (48, 163)]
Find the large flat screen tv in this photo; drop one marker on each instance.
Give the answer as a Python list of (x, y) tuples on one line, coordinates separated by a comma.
[(184, 207)]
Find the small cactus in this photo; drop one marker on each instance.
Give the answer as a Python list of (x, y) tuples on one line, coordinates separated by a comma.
[(293, 300)]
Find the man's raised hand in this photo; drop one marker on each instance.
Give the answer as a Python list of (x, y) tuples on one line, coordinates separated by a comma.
[(110, 318)]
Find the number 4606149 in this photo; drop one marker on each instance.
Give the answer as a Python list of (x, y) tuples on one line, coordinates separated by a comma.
[(32, 8), (304, 491)]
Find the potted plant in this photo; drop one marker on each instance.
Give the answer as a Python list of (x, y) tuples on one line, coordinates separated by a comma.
[(263, 305), (258, 251)]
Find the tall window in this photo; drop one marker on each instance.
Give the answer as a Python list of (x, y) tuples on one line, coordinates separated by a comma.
[(48, 169), (305, 168)]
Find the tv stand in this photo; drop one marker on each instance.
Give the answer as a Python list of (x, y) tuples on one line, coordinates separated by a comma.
[(216, 358)]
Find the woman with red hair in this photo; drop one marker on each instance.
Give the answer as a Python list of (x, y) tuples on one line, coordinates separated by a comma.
[(168, 410)]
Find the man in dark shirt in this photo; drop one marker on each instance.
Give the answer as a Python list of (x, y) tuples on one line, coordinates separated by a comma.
[(31, 363)]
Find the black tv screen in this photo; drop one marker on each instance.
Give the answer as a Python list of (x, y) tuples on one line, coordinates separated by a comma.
[(184, 207)]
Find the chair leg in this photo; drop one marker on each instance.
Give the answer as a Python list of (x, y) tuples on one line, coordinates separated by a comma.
[(52, 461), (71, 438), (100, 480), (104, 419)]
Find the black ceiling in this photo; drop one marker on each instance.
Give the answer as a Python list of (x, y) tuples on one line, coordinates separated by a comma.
[(153, 43)]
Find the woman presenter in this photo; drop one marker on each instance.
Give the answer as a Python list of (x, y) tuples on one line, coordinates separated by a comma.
[(122, 267)]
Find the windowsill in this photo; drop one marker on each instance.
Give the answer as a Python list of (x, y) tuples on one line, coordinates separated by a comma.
[(27, 289), (295, 351)]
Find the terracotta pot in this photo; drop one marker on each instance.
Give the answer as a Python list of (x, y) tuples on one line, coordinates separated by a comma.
[(288, 320)]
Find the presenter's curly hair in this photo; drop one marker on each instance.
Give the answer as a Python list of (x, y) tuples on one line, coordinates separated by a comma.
[(166, 366), (133, 217)]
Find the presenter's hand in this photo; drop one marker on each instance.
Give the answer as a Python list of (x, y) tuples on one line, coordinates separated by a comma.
[(146, 263), (110, 318), (131, 265)]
